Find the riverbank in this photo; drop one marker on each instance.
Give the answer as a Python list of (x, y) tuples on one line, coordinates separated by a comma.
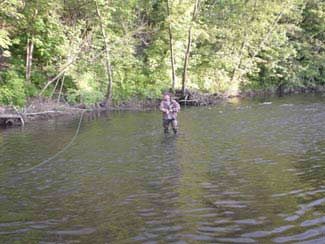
[(43, 109)]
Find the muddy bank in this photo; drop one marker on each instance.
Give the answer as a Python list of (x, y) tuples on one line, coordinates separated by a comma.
[(48, 109), (36, 110), (42, 109)]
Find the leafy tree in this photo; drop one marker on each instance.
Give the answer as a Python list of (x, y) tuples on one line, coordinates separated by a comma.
[(90, 51)]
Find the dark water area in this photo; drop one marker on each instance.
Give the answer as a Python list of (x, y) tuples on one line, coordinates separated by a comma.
[(249, 171)]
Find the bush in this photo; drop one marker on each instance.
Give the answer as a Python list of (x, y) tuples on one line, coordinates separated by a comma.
[(12, 90), (90, 97), (73, 96), (87, 97), (31, 90)]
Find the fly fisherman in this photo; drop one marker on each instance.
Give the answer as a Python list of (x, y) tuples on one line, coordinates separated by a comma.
[(170, 108)]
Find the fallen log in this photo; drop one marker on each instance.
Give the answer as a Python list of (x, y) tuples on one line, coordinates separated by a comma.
[(11, 119), (45, 112), (189, 102)]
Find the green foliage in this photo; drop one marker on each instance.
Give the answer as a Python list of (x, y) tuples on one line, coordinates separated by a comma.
[(8, 15), (86, 97), (31, 90), (12, 91), (237, 46), (73, 96), (86, 90)]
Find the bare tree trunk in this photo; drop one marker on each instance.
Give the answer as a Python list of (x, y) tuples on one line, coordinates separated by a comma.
[(29, 58), (63, 70), (171, 47), (108, 63), (61, 88), (188, 48), (186, 58), (243, 45), (54, 89)]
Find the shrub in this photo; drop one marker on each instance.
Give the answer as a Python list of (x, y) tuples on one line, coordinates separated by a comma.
[(12, 90)]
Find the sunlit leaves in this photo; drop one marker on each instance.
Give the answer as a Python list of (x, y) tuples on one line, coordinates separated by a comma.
[(237, 44)]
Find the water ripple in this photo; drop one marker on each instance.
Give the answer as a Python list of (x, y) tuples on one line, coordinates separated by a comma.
[(243, 172)]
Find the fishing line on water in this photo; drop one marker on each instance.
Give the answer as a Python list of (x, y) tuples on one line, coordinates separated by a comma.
[(59, 152)]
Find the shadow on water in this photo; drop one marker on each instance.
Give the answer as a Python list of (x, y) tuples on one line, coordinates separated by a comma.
[(248, 171)]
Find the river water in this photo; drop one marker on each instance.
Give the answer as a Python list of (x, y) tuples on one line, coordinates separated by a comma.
[(248, 171)]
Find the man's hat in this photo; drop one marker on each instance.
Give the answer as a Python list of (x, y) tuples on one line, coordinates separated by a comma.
[(166, 93)]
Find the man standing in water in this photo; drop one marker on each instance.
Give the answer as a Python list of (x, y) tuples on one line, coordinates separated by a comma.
[(170, 108)]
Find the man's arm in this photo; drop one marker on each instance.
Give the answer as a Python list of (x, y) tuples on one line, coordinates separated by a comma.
[(161, 107), (177, 107)]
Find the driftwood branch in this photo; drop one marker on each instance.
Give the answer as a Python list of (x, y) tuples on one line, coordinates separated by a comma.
[(54, 89), (9, 118), (45, 112), (63, 70)]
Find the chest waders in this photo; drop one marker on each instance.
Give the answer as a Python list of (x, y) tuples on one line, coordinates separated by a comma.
[(173, 122), (171, 119)]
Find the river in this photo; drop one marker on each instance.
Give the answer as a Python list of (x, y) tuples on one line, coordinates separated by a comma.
[(247, 171)]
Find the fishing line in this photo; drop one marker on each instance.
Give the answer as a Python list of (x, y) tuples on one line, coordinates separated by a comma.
[(59, 152)]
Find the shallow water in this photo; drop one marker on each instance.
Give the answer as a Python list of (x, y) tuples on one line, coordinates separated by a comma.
[(241, 172)]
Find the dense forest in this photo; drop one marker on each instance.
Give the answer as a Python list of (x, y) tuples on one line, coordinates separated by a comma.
[(110, 50)]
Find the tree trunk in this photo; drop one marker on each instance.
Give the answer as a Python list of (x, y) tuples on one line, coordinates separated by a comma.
[(63, 70), (171, 47), (108, 63), (186, 59), (280, 89), (61, 88), (29, 58), (238, 66), (188, 48), (54, 89)]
